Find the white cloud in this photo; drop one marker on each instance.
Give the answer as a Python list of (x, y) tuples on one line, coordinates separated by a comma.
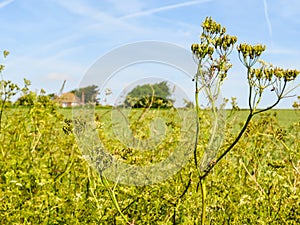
[(97, 21), (87, 11), (127, 6), (47, 73), (163, 8), (267, 17), (5, 3), (58, 77)]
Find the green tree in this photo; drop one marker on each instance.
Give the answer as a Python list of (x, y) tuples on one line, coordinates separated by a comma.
[(30, 98), (90, 93), (150, 96), (26, 99)]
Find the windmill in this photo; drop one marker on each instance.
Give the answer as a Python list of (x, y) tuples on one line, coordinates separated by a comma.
[(62, 88)]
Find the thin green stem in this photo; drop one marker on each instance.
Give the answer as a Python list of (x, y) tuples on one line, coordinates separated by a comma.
[(203, 192), (199, 72), (113, 197), (280, 96), (231, 146), (251, 114), (250, 89), (214, 110), (202, 181), (1, 110)]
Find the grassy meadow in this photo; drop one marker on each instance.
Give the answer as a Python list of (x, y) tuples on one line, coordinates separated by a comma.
[(286, 117), (44, 178)]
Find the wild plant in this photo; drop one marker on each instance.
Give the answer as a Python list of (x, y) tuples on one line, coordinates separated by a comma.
[(212, 56)]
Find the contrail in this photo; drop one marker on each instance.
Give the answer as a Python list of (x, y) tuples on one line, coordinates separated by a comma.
[(164, 8), (5, 3), (267, 18)]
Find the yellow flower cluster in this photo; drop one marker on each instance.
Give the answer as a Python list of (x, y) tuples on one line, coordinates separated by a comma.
[(226, 42), (269, 73), (250, 53), (202, 50), (211, 26)]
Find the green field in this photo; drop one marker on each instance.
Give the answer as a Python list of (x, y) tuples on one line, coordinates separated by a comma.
[(285, 116), (44, 178)]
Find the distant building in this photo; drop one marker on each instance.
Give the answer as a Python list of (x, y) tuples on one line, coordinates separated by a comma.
[(68, 100)]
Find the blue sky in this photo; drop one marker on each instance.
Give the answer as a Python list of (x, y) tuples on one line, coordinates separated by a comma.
[(54, 40)]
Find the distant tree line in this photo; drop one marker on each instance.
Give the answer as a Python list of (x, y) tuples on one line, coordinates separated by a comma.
[(90, 95), (150, 96)]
